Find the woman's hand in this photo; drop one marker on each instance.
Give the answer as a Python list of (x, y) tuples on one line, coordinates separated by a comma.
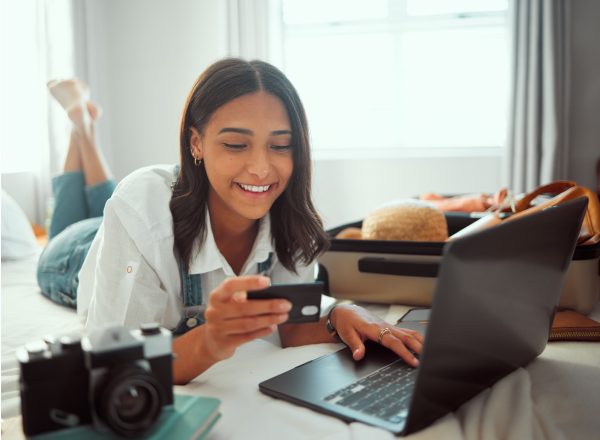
[(231, 320), (355, 325)]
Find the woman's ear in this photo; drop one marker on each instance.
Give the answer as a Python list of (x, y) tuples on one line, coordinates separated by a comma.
[(195, 143)]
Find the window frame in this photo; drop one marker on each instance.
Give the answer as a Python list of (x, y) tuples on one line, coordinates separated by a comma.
[(397, 21)]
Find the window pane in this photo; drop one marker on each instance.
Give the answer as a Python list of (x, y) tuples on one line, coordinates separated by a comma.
[(323, 11), (438, 7), (346, 83), (454, 87), (420, 88)]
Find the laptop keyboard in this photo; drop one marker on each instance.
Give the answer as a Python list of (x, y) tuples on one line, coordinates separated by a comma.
[(384, 394)]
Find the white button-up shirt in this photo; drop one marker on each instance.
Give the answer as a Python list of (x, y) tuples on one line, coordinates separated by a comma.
[(132, 273)]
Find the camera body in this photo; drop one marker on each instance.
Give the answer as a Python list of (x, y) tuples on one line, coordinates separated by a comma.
[(114, 380)]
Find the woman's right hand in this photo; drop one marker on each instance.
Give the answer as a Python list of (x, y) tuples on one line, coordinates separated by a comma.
[(232, 320)]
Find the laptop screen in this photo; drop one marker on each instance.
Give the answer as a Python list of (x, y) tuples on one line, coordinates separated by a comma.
[(506, 282)]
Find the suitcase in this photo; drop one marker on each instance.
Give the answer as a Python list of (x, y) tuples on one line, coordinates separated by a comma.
[(405, 272)]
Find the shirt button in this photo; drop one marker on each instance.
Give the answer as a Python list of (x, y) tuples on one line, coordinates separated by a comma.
[(192, 322)]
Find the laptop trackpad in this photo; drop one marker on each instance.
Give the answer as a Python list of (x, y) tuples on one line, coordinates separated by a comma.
[(343, 363), (420, 327)]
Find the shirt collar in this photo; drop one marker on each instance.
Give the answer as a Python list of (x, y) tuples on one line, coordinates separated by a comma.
[(209, 257)]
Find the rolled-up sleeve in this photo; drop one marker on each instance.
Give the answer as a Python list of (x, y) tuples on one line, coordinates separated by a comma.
[(126, 290)]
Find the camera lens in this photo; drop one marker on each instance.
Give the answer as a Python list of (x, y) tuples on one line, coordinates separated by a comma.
[(130, 401), (133, 402)]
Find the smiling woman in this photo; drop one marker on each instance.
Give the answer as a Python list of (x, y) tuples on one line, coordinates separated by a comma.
[(246, 124), (181, 245)]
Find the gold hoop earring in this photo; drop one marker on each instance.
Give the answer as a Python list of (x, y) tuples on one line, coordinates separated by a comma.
[(196, 162)]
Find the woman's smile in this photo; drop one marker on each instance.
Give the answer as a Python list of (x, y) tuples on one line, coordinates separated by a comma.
[(256, 191)]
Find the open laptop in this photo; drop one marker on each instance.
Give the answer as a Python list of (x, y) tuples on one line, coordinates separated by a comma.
[(492, 311)]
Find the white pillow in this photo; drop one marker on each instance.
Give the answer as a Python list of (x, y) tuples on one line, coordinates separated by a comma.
[(18, 239)]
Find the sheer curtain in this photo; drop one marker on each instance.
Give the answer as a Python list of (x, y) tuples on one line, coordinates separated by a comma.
[(255, 30), (25, 150), (537, 142)]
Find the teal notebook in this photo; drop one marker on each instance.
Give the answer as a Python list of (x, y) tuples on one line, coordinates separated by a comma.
[(190, 418)]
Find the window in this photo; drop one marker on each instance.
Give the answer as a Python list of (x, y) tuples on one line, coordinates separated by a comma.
[(22, 89), (380, 78)]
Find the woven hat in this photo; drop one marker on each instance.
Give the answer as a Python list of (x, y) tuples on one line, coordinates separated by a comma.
[(406, 220)]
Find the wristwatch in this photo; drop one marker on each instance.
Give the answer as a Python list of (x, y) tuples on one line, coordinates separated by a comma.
[(332, 331)]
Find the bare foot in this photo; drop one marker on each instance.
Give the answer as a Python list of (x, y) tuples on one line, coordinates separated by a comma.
[(74, 96)]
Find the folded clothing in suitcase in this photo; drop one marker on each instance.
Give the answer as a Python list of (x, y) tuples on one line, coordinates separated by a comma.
[(405, 272)]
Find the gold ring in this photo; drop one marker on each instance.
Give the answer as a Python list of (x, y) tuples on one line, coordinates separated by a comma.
[(383, 332)]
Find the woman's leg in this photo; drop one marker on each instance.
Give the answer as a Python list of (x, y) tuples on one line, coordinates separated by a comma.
[(74, 96), (62, 259), (70, 203), (80, 193), (84, 165)]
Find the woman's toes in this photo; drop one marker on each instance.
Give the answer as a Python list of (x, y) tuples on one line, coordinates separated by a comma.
[(95, 110), (69, 91)]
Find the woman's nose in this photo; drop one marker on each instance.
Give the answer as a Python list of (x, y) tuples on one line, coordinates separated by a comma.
[(259, 163)]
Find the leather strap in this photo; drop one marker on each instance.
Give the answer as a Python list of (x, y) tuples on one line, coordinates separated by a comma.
[(590, 229), (557, 187)]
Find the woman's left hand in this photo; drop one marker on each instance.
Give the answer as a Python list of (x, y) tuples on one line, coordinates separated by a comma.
[(355, 325)]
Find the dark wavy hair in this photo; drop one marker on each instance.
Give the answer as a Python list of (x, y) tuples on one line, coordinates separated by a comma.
[(296, 228)]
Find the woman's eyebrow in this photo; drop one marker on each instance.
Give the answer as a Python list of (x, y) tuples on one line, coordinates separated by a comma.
[(237, 130), (280, 132), (251, 133)]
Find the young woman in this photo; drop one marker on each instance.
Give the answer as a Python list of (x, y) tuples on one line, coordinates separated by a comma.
[(181, 245)]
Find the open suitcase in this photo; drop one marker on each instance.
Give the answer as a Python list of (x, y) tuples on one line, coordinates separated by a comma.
[(405, 272)]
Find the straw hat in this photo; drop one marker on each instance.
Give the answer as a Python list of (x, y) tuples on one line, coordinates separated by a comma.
[(406, 220)]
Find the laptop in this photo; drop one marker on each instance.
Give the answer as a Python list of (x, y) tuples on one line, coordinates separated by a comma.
[(492, 310)]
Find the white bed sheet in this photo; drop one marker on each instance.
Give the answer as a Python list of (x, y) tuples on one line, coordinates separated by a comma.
[(26, 316), (555, 397)]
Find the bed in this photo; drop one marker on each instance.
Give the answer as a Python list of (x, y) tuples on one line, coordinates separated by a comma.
[(557, 396)]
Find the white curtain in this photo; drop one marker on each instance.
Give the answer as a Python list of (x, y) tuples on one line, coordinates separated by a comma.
[(25, 147), (255, 30), (537, 142)]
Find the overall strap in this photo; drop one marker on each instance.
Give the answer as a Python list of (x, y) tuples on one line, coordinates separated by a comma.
[(193, 307), (191, 291), (192, 288), (265, 265)]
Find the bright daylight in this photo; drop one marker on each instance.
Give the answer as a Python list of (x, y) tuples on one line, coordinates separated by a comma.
[(300, 219)]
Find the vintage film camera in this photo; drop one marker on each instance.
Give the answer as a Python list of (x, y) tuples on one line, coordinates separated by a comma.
[(113, 380)]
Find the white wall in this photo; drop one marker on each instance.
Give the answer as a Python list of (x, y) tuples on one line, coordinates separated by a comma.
[(23, 188), (151, 53), (347, 190)]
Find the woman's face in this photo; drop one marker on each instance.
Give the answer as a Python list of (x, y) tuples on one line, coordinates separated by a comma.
[(247, 153)]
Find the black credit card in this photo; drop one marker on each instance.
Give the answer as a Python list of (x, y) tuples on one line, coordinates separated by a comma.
[(305, 299)]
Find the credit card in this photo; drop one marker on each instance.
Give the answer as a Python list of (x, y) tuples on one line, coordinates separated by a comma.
[(305, 299)]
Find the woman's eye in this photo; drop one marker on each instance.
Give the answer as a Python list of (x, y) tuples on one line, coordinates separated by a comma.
[(281, 147), (235, 146)]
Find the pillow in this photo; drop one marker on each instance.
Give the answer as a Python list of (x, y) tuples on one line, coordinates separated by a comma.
[(18, 239)]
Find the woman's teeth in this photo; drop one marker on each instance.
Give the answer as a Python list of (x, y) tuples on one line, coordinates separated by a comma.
[(254, 188)]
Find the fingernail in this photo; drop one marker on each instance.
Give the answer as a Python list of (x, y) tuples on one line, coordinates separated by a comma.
[(273, 328), (264, 281), (356, 351), (282, 318), (285, 306), (416, 362)]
